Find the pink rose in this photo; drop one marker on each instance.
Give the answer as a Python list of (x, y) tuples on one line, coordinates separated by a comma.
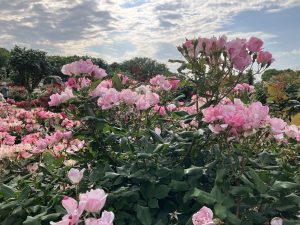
[(276, 221), (75, 175), (54, 100), (95, 200), (203, 217), (72, 82), (107, 218), (129, 97), (98, 73), (254, 44), (70, 204), (109, 99), (277, 125), (264, 57)]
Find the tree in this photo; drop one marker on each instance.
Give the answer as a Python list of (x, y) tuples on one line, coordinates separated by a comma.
[(29, 67), (143, 69), (4, 57), (268, 74)]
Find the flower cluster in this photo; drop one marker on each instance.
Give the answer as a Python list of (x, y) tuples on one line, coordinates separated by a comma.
[(57, 99), (205, 217), (240, 119), (243, 88), (92, 202), (161, 83), (83, 67), (240, 52), (25, 133)]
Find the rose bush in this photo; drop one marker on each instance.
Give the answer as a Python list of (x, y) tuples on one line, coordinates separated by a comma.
[(162, 155)]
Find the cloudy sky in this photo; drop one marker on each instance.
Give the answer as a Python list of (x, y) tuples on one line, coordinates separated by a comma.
[(120, 29)]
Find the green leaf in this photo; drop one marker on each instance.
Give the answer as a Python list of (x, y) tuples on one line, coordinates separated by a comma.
[(202, 197), (36, 220), (51, 217), (161, 191), (153, 203), (7, 191), (179, 185), (279, 185), (156, 137), (220, 175), (233, 219), (144, 215), (220, 211), (24, 193), (116, 82), (241, 190), (258, 183)]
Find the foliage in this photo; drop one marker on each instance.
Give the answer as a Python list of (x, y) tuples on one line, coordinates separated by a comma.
[(141, 69), (283, 94), (161, 156), (4, 57)]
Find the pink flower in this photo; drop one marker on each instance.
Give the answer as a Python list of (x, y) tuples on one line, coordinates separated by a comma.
[(238, 54), (264, 57), (102, 88), (161, 83), (244, 87), (129, 97), (67, 135), (142, 103), (78, 67), (109, 99), (84, 82), (107, 218), (203, 217), (95, 200), (171, 107), (70, 204), (75, 175), (254, 44), (160, 109), (276, 221), (54, 100), (277, 126), (98, 73), (123, 78), (174, 84), (72, 82), (291, 131), (157, 130)]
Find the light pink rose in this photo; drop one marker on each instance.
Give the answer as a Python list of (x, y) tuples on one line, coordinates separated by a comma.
[(129, 97), (98, 73), (142, 103), (54, 100), (276, 221), (203, 217), (95, 200), (75, 175), (277, 125), (70, 204), (109, 99)]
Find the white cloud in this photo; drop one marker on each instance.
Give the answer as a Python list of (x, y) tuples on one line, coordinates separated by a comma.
[(73, 26)]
